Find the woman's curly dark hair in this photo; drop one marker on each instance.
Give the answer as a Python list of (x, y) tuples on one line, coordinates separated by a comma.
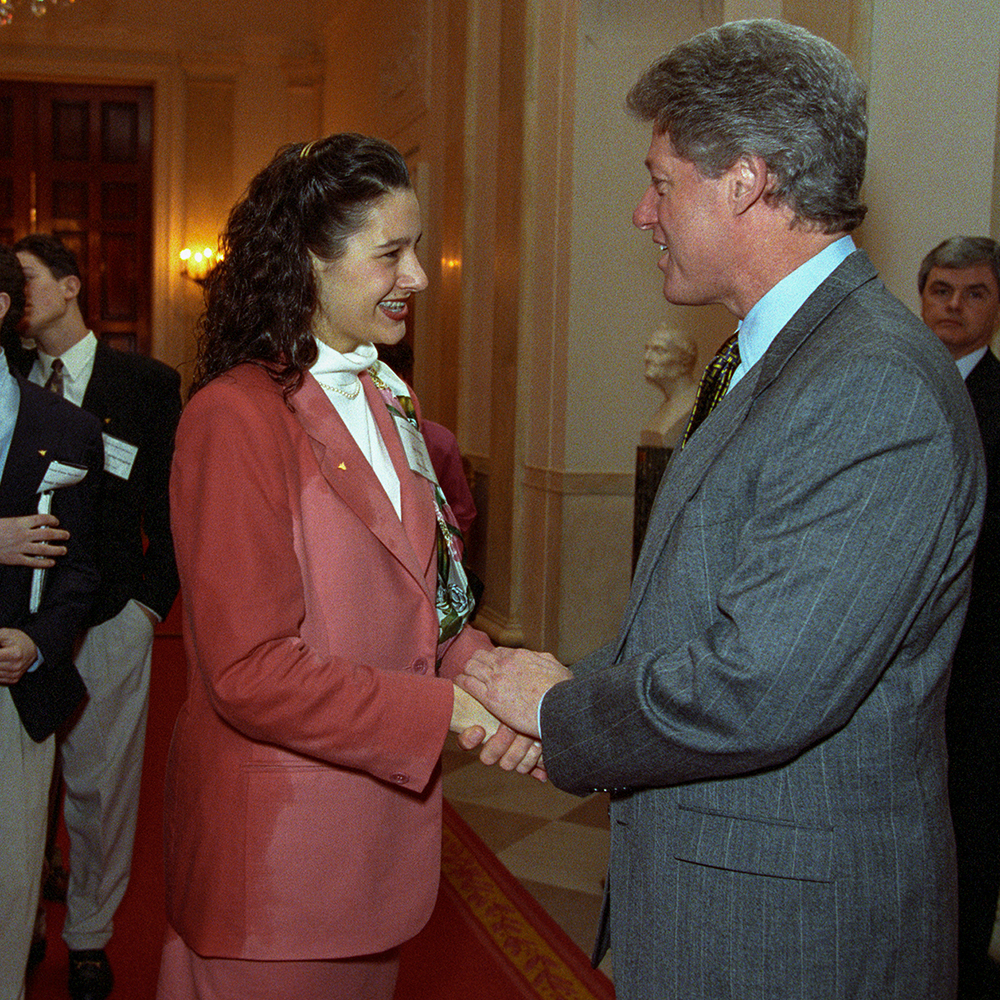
[(261, 296)]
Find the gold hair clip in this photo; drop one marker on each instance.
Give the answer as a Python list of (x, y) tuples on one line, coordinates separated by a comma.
[(307, 149)]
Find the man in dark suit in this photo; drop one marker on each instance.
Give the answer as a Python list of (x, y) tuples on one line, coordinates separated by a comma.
[(44, 442), (137, 401), (770, 717), (959, 282)]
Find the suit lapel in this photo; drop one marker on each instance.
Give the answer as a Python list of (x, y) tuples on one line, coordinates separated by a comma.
[(96, 399), (349, 475), (688, 468), (29, 454), (419, 516), (983, 377)]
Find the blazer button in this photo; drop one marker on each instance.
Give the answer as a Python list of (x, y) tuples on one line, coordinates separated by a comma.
[(420, 666), (399, 779)]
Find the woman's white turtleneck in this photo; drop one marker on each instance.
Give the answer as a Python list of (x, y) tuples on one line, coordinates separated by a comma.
[(337, 375)]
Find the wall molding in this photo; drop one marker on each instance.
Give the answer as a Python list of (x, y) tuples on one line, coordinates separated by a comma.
[(560, 482)]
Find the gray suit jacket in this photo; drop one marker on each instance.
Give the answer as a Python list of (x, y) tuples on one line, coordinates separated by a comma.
[(772, 712)]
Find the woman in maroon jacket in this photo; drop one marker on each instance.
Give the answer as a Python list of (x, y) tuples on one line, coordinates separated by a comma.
[(325, 609)]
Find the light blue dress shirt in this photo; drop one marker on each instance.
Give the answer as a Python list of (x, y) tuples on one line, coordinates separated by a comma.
[(969, 361), (10, 400), (771, 312)]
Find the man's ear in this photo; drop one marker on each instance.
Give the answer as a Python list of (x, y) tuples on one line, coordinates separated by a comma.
[(748, 182), (71, 286), (4, 304)]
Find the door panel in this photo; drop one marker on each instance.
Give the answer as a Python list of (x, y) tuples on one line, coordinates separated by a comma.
[(16, 161), (89, 153)]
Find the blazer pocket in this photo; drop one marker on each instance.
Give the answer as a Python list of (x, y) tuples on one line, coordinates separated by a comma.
[(758, 847)]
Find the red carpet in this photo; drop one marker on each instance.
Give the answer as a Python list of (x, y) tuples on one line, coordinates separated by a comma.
[(487, 937)]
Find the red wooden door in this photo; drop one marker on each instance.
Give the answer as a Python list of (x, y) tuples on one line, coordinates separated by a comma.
[(80, 166)]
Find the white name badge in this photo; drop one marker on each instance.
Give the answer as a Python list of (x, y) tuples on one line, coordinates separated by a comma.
[(61, 474), (57, 475), (415, 447), (118, 456)]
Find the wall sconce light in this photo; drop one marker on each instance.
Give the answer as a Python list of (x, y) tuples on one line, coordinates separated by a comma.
[(195, 264)]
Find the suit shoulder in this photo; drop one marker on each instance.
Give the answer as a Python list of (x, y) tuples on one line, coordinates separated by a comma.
[(137, 366), (871, 322), (245, 387), (46, 407), (985, 378)]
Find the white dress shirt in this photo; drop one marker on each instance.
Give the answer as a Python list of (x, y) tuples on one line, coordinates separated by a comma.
[(78, 364)]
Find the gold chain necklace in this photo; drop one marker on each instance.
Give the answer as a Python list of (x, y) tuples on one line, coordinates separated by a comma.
[(342, 392)]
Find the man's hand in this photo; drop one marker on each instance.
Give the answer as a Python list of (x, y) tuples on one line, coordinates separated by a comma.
[(25, 541), (511, 683), (17, 653)]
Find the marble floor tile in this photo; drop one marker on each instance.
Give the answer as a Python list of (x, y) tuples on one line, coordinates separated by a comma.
[(567, 855), (489, 786)]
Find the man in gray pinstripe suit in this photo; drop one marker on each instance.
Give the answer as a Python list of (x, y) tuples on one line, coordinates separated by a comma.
[(770, 718)]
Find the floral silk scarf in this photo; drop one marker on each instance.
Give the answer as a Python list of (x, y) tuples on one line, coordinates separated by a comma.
[(454, 600)]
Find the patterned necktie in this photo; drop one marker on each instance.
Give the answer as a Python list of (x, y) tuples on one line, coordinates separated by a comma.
[(55, 382), (714, 382)]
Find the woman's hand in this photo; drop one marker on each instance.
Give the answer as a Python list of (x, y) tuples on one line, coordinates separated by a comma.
[(513, 751)]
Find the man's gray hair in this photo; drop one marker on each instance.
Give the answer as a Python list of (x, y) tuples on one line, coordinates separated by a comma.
[(769, 89), (961, 251)]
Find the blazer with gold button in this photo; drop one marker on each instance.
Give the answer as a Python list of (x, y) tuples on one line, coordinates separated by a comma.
[(50, 429), (303, 800)]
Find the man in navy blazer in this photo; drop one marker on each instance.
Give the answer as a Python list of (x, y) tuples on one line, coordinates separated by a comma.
[(137, 401), (770, 718), (44, 441), (959, 283)]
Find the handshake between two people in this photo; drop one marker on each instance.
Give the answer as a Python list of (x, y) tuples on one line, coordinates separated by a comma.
[(496, 706)]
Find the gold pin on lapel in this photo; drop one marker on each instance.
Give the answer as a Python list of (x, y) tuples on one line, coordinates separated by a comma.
[(43, 452), (342, 466), (107, 420)]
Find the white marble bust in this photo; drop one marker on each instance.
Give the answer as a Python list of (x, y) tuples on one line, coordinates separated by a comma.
[(670, 357)]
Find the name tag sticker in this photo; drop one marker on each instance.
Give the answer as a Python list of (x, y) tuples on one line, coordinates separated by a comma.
[(57, 475), (118, 456), (61, 474), (415, 448)]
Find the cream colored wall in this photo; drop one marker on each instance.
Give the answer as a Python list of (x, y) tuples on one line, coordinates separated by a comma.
[(615, 300), (933, 142)]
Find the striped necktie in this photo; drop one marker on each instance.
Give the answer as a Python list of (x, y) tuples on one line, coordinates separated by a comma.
[(714, 382), (55, 382)]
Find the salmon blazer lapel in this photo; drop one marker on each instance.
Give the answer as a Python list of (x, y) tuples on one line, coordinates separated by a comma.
[(416, 493), (349, 475)]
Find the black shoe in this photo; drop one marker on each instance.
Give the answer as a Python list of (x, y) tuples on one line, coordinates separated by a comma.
[(90, 975), (55, 881), (36, 953)]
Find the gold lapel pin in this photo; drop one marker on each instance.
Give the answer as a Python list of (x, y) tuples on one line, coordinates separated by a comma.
[(43, 452), (342, 466)]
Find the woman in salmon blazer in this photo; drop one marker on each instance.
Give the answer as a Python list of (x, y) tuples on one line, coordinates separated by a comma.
[(324, 603)]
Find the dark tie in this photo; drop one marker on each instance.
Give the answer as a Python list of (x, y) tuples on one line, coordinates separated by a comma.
[(55, 382), (714, 382)]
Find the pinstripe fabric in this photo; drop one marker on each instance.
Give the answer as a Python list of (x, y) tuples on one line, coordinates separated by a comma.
[(714, 381), (771, 712)]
